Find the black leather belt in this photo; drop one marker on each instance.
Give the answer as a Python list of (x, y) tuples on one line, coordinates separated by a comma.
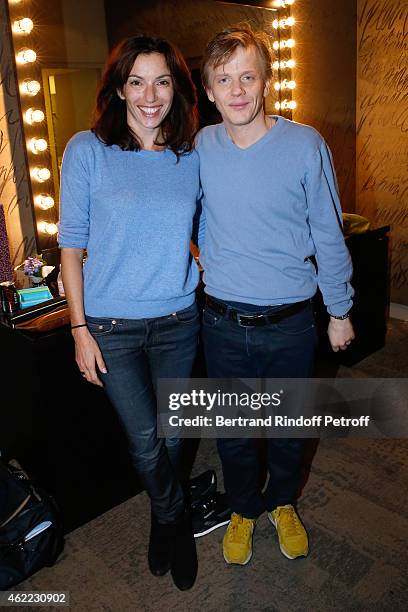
[(255, 320)]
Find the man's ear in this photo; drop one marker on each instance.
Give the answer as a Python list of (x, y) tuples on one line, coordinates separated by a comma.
[(267, 87), (120, 94), (209, 93)]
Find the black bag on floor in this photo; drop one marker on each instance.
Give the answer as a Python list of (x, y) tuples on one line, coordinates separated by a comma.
[(30, 531)]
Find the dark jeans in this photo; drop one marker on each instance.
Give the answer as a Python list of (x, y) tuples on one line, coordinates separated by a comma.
[(282, 350), (137, 353)]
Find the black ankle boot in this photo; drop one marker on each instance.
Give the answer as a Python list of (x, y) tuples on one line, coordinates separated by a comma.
[(183, 553), (159, 555)]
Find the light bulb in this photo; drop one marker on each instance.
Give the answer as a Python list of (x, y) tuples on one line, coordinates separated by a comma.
[(29, 87), (23, 26), (37, 145), (277, 105), (26, 56), (285, 84), (283, 23), (47, 228), (284, 44), (284, 64), (40, 174), (286, 104), (44, 201), (33, 115)]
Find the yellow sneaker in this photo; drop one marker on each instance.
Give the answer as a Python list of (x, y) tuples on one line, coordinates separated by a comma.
[(237, 542), (293, 540)]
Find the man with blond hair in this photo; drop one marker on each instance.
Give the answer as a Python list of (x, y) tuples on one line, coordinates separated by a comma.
[(270, 209)]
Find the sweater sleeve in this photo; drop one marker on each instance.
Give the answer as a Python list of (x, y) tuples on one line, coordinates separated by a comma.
[(73, 227), (325, 219), (199, 223)]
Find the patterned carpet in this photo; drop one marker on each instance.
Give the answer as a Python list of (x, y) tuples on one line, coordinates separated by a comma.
[(355, 506)]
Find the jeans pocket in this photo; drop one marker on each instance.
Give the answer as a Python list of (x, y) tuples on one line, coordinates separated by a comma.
[(100, 326), (299, 323), (188, 315)]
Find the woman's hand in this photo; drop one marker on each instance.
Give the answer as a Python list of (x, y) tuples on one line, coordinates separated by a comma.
[(88, 355)]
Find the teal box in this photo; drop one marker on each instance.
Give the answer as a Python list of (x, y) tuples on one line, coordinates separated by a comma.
[(33, 296)]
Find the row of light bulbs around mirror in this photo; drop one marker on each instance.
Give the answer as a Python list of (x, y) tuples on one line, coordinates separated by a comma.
[(285, 84), (32, 116)]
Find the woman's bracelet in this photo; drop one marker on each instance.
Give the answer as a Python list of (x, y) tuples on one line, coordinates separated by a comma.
[(80, 325)]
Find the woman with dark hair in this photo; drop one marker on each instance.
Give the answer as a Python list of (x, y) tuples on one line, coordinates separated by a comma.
[(128, 196)]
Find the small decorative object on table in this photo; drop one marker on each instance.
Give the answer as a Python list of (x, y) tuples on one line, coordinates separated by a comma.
[(33, 295), (10, 302), (36, 269), (33, 268)]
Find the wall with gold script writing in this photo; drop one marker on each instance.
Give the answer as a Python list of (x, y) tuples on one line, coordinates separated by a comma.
[(325, 74), (382, 127)]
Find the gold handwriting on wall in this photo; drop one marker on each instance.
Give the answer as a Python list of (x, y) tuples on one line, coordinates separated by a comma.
[(382, 127)]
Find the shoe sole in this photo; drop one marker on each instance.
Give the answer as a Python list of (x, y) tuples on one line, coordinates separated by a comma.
[(284, 553), (210, 529)]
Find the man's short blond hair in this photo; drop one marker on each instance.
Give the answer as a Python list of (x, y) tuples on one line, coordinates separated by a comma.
[(219, 50)]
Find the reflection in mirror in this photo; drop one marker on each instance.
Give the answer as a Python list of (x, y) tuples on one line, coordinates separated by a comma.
[(69, 95)]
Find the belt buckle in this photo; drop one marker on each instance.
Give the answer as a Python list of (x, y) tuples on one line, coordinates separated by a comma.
[(250, 317)]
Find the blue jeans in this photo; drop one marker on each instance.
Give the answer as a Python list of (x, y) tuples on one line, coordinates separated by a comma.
[(137, 353), (282, 350)]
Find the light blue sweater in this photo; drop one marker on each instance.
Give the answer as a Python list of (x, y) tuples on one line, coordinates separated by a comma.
[(267, 209), (133, 212)]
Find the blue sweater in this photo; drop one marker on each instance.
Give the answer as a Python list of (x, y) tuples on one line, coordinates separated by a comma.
[(266, 210), (133, 212)]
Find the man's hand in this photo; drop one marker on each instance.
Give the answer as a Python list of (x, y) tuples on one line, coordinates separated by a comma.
[(340, 333), (88, 355)]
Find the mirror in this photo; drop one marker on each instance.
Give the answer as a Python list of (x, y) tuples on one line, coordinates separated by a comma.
[(69, 95)]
